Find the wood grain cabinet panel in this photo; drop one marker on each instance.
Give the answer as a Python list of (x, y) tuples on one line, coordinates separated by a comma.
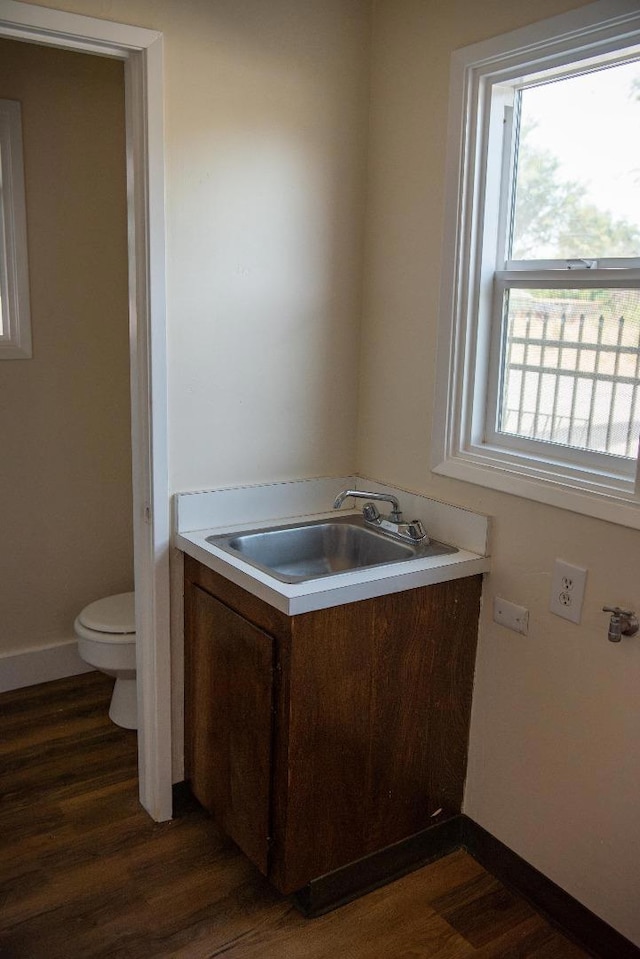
[(371, 706), (230, 697)]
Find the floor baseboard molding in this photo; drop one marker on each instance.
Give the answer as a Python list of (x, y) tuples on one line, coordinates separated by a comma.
[(30, 667), (378, 869), (570, 916)]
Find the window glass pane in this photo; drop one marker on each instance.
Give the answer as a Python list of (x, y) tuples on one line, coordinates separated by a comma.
[(571, 368), (577, 189), (15, 331)]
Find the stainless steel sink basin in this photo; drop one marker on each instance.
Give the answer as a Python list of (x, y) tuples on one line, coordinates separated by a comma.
[(318, 548)]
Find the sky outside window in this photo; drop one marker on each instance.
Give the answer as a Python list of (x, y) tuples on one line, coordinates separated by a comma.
[(578, 169)]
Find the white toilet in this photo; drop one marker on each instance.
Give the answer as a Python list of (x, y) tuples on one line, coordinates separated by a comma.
[(106, 632)]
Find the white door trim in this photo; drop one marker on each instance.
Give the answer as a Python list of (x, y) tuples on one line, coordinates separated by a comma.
[(141, 51)]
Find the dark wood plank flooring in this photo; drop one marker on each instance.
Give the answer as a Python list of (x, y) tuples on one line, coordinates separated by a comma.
[(85, 874)]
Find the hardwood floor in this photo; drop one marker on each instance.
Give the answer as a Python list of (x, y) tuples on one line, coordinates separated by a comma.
[(85, 874)]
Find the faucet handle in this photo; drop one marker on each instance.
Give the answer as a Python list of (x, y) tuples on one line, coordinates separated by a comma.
[(617, 611), (417, 531), (371, 512)]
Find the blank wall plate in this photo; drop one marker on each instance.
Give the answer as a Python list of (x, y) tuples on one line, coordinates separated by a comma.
[(509, 615), (567, 590)]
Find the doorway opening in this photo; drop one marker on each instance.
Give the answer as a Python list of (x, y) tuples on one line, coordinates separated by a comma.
[(141, 52)]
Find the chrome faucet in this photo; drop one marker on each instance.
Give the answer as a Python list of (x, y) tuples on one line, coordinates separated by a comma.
[(413, 531), (623, 622), (395, 515)]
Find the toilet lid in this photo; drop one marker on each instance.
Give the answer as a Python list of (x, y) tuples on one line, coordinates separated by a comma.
[(113, 614)]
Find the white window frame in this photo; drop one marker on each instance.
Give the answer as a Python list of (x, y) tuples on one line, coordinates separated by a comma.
[(482, 81), (15, 337)]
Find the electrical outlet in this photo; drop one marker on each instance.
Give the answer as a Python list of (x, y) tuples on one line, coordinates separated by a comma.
[(509, 615), (567, 590)]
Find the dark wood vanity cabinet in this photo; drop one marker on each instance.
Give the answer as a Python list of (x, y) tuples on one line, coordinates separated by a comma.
[(318, 739)]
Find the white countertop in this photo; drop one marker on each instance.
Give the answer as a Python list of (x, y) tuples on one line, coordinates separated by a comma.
[(333, 590)]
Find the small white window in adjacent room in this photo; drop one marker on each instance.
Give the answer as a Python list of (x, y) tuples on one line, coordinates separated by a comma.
[(538, 388), (15, 321)]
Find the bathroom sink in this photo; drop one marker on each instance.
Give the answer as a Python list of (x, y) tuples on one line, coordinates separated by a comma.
[(303, 551)]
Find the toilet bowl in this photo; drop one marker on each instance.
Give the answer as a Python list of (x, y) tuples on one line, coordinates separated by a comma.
[(106, 632)]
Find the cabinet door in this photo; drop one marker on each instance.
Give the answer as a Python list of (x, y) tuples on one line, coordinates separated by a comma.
[(229, 692), (377, 726)]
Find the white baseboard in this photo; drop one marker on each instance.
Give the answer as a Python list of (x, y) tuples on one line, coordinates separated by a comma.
[(32, 666)]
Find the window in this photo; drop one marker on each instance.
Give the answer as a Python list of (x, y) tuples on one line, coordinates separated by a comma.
[(538, 388), (15, 331)]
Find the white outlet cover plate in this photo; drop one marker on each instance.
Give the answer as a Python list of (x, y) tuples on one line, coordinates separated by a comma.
[(509, 615), (567, 590)]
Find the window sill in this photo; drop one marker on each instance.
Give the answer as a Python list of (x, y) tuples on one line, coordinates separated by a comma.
[(611, 504)]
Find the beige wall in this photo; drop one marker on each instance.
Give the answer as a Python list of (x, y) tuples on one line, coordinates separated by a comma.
[(266, 137), (65, 482), (554, 765), (266, 122)]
